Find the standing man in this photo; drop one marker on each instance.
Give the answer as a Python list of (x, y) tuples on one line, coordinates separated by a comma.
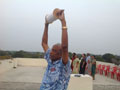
[(58, 71)]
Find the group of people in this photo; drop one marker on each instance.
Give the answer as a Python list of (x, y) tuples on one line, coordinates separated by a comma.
[(85, 65)]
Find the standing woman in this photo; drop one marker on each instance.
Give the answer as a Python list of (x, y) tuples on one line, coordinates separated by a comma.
[(88, 65), (82, 64), (76, 65), (73, 58), (93, 69)]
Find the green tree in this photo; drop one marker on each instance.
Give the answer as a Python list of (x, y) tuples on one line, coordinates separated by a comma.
[(99, 58), (108, 57), (70, 55), (20, 53)]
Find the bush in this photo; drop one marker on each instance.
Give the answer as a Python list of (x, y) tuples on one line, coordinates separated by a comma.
[(5, 57)]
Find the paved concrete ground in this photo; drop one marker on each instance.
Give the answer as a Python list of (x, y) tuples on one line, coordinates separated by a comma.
[(105, 83), (23, 74), (29, 78)]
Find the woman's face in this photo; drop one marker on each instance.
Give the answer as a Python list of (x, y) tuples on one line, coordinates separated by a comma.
[(92, 57)]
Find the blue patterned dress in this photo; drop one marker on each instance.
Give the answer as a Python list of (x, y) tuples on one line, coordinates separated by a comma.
[(57, 74)]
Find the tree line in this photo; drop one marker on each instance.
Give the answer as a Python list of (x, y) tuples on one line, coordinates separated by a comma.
[(20, 54), (108, 57)]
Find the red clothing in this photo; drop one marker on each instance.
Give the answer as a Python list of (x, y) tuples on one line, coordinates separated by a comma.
[(73, 58)]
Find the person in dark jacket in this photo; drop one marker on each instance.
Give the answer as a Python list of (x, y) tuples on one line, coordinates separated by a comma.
[(82, 64)]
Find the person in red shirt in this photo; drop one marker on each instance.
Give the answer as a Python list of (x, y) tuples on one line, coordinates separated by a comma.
[(73, 58)]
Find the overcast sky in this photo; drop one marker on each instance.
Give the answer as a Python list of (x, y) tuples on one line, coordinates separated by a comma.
[(93, 25)]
